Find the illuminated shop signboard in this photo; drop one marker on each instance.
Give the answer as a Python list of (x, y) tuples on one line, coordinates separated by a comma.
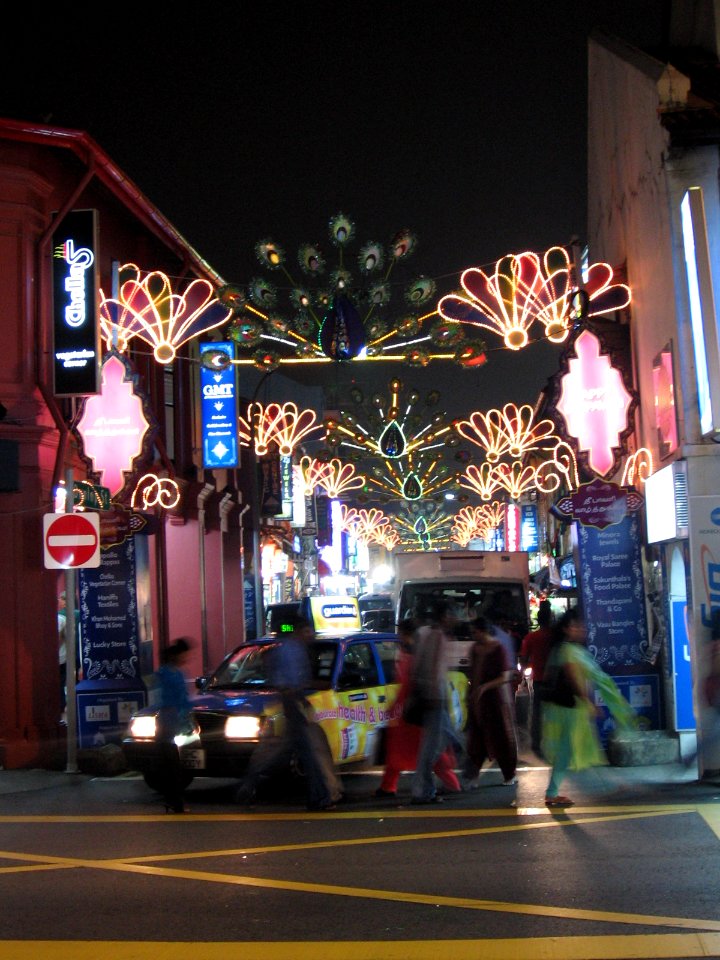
[(113, 426), (529, 535), (76, 353), (594, 403), (219, 408)]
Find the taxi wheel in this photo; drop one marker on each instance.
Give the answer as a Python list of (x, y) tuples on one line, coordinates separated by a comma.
[(296, 767), (157, 782)]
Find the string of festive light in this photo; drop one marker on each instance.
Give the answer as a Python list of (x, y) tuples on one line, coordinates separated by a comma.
[(638, 467), (281, 424), (156, 491)]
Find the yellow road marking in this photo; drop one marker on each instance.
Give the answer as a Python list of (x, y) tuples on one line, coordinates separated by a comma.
[(653, 947), (465, 903), (391, 814), (402, 838), (367, 893), (711, 815)]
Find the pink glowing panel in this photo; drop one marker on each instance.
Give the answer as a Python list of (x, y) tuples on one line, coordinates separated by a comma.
[(113, 426), (594, 403), (665, 413)]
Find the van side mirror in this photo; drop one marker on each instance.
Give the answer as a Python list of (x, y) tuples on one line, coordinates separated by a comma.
[(201, 682)]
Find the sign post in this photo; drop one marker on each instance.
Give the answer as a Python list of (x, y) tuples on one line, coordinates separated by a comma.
[(71, 540)]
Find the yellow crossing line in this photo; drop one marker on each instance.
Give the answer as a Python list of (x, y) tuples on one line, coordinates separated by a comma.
[(548, 948), (402, 896), (434, 900), (376, 814), (653, 947), (402, 838)]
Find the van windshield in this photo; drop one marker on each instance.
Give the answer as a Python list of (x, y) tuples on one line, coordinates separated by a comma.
[(500, 602)]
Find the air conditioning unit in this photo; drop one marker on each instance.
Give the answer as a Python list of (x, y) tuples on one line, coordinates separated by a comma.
[(666, 503)]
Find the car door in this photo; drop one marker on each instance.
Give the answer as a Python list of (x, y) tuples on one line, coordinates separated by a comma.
[(360, 699)]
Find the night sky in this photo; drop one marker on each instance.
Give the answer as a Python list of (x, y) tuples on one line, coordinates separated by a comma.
[(464, 121)]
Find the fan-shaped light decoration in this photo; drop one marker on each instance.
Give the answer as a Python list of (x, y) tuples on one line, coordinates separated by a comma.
[(524, 289), (638, 468), (156, 492), (348, 518), (148, 308), (339, 478), (388, 538), (481, 480), (308, 473), (472, 523), (515, 478), (344, 309), (370, 525), (508, 431), (282, 424), (485, 431), (522, 434)]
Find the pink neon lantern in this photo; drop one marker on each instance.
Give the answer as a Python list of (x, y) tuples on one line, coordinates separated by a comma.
[(594, 403), (113, 425)]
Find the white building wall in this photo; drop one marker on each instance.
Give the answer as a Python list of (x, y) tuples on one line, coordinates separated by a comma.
[(636, 185)]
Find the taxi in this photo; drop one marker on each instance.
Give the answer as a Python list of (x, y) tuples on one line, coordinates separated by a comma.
[(236, 707)]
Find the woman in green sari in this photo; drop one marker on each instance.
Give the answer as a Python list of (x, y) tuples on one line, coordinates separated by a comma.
[(570, 738)]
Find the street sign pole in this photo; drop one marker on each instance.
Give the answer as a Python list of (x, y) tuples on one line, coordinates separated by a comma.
[(71, 645)]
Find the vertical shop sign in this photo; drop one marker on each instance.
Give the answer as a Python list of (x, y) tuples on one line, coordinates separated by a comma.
[(529, 537), (218, 407), (76, 332), (682, 668), (614, 595), (109, 616), (112, 688), (270, 485)]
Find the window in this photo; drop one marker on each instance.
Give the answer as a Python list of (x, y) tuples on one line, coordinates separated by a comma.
[(359, 668)]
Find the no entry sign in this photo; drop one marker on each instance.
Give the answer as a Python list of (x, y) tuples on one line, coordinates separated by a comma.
[(71, 540)]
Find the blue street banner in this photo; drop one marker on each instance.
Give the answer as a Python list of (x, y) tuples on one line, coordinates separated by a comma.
[(613, 594), (218, 407)]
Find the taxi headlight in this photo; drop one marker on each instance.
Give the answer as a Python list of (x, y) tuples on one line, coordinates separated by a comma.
[(242, 728), (143, 728)]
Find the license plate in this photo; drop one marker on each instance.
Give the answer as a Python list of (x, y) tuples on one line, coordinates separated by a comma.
[(193, 759)]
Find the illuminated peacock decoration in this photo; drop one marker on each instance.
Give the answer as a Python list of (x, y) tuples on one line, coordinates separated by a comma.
[(402, 443), (345, 307)]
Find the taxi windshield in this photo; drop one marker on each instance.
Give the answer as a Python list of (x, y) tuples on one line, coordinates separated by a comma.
[(249, 666)]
